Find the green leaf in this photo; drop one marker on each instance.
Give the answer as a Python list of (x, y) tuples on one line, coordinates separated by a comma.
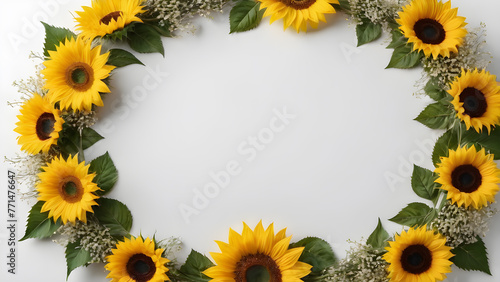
[(436, 116), (317, 252), (471, 257), (245, 15), (378, 238), (491, 141), (120, 58), (76, 256), (415, 214), (449, 140), (422, 183), (343, 5), (90, 137), (433, 90), (404, 57), (115, 216), (39, 225), (106, 173), (195, 264), (398, 39), (368, 32), (163, 30), (145, 39), (54, 36), (69, 140), (119, 34)]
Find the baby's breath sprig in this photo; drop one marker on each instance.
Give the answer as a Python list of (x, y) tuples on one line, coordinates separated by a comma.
[(80, 120), (376, 11), (462, 225), (28, 166), (362, 263), (92, 236), (177, 14)]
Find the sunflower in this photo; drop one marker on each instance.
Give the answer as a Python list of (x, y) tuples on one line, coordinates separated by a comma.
[(136, 259), (418, 255), (67, 189), (258, 254), (470, 177), (107, 16), (432, 27), (74, 75), (298, 13), (39, 125), (476, 98)]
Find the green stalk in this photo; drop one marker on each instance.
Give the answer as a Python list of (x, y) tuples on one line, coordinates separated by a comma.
[(81, 156)]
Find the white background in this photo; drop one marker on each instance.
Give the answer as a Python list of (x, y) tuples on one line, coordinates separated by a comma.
[(323, 175)]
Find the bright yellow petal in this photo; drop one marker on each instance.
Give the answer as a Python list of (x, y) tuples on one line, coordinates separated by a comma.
[(297, 14), (257, 247)]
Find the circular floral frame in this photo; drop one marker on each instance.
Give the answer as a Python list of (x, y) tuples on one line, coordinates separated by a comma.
[(113, 220)]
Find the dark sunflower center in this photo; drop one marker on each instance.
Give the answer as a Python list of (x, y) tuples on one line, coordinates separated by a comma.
[(45, 126), (466, 178), (257, 273), (141, 267), (429, 31), (257, 268), (474, 102), (71, 189), (416, 259), (298, 4), (80, 76), (111, 16)]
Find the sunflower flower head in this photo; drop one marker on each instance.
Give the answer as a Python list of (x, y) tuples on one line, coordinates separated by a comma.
[(470, 177), (74, 75), (107, 16), (298, 13), (418, 255), (39, 125), (67, 189), (257, 254), (136, 259), (433, 27), (476, 99)]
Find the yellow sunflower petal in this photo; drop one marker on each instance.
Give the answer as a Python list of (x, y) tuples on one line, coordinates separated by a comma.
[(107, 16), (433, 27), (418, 255), (298, 13), (476, 99), (257, 248), (39, 125), (74, 75), (148, 263), (470, 177), (67, 190)]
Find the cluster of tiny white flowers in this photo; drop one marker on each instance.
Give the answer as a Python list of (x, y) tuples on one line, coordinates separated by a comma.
[(80, 120), (171, 246), (376, 11), (92, 236), (28, 166), (470, 56), (362, 263), (176, 13), (33, 84), (462, 225)]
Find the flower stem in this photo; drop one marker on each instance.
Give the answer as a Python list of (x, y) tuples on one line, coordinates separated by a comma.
[(81, 156)]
